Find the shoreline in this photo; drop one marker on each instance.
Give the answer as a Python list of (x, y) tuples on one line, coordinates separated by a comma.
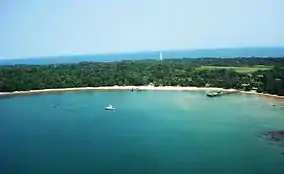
[(151, 88), (263, 94)]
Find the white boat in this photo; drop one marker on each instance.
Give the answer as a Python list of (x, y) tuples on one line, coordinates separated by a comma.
[(109, 107)]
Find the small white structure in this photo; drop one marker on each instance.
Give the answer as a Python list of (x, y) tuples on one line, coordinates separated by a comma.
[(161, 55), (245, 84), (151, 84)]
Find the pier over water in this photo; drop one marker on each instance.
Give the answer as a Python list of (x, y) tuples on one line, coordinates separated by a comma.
[(220, 93)]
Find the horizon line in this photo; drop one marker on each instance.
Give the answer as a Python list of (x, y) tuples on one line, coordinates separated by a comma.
[(135, 52)]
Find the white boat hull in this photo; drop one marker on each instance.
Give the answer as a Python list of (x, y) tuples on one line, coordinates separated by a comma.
[(109, 108)]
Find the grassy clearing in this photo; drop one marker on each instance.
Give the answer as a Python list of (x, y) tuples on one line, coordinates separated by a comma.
[(242, 69)]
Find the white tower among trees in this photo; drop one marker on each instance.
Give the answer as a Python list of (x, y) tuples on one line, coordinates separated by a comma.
[(161, 56)]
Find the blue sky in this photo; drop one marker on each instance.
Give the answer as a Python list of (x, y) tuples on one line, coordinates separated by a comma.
[(34, 28)]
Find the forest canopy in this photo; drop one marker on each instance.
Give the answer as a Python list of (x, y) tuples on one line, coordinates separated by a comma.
[(261, 74)]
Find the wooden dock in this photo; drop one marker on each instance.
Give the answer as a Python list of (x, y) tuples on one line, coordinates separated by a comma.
[(220, 93)]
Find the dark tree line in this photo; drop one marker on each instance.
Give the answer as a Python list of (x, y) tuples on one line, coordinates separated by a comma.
[(171, 72)]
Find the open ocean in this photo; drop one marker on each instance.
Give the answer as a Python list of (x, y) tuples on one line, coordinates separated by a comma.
[(150, 132), (225, 53)]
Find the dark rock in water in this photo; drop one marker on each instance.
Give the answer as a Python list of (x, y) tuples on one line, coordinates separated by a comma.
[(275, 136)]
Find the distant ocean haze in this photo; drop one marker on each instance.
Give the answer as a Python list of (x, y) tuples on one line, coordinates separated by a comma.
[(223, 53)]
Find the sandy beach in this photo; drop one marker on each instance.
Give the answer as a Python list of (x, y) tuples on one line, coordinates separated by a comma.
[(165, 88), (263, 94)]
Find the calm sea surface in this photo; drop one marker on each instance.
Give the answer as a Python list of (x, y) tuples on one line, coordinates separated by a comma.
[(225, 52), (149, 132)]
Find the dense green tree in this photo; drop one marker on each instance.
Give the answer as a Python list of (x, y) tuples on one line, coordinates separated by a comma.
[(183, 72)]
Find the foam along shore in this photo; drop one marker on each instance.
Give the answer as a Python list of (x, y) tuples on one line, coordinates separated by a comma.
[(166, 88)]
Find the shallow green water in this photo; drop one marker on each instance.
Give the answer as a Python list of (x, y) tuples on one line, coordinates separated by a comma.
[(149, 132)]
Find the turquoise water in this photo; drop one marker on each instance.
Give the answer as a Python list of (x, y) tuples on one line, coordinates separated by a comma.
[(149, 132)]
